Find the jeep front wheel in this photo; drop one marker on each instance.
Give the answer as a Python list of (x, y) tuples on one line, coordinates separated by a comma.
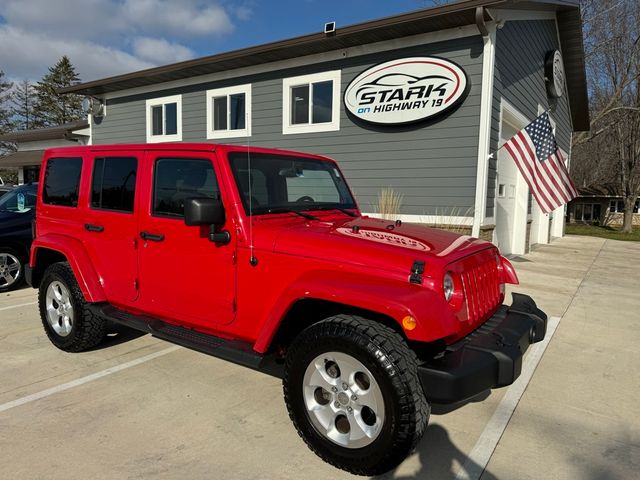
[(65, 314), (353, 394)]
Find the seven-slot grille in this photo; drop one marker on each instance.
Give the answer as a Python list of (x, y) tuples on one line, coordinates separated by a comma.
[(481, 285)]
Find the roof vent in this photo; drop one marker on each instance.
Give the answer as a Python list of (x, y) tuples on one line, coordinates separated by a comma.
[(330, 28)]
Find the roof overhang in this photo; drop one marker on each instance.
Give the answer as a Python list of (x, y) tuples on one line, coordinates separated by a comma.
[(452, 15), (60, 132), (26, 158)]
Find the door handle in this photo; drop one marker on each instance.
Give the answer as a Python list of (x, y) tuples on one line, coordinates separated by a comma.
[(93, 228), (151, 236)]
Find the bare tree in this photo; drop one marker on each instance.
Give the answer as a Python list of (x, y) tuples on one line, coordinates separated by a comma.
[(24, 101), (6, 120), (609, 155)]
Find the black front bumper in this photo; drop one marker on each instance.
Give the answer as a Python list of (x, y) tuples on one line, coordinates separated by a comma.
[(489, 357)]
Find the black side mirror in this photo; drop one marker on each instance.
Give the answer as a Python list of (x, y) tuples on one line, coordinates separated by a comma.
[(203, 211)]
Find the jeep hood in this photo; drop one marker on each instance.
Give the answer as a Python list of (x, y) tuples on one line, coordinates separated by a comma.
[(380, 244)]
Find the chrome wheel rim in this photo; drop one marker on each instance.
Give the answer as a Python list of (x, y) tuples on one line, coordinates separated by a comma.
[(59, 308), (10, 269), (343, 400)]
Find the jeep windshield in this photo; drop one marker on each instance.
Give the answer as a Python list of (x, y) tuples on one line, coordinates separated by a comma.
[(271, 183)]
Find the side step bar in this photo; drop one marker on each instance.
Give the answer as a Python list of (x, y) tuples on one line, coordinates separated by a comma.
[(234, 351)]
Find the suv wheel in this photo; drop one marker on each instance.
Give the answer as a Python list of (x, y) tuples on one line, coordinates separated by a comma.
[(352, 391), (11, 269), (66, 317)]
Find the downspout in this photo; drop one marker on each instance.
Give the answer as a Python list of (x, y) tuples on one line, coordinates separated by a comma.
[(488, 33), (480, 22)]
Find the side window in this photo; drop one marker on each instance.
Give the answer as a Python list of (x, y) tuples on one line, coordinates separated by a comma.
[(176, 179), (114, 183), (62, 181)]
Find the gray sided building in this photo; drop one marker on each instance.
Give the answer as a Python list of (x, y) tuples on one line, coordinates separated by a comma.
[(448, 168)]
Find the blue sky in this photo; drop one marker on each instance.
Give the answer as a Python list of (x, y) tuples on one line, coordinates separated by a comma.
[(109, 37)]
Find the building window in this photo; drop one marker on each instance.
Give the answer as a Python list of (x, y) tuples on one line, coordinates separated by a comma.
[(164, 119), (114, 183), (311, 103), (588, 212), (229, 112), (617, 206)]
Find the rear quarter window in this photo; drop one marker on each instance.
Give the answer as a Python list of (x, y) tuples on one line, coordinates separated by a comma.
[(62, 181)]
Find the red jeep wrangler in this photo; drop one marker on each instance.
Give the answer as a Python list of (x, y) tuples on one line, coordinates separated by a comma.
[(261, 257)]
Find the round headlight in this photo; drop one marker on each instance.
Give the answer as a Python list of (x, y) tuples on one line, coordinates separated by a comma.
[(447, 286)]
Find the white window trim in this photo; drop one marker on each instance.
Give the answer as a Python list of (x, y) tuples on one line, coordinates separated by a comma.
[(484, 132), (288, 83), (177, 137), (226, 92)]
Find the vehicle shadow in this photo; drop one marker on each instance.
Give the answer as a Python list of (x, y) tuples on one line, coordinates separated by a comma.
[(440, 459), (443, 409), (118, 335)]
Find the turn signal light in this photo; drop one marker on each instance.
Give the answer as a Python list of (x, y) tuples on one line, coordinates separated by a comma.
[(408, 323)]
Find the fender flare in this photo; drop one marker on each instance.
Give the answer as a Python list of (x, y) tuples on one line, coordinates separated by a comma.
[(78, 259), (389, 297)]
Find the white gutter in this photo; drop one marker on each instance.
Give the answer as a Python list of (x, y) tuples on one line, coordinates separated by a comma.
[(486, 105)]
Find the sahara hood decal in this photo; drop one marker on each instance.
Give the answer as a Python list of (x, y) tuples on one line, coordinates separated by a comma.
[(406, 90), (387, 238)]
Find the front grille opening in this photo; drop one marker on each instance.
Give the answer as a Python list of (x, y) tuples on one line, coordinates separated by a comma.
[(481, 286)]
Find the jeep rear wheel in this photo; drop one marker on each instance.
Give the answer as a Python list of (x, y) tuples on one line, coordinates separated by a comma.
[(65, 314), (352, 391)]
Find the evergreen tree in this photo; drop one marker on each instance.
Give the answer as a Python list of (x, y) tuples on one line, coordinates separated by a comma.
[(23, 102), (51, 108), (6, 115)]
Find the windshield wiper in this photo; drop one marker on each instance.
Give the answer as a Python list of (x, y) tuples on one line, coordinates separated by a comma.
[(290, 210), (343, 210)]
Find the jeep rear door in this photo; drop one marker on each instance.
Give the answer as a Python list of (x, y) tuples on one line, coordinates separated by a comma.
[(110, 228), (183, 275)]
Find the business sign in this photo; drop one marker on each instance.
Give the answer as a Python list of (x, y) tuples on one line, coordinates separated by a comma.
[(387, 238), (554, 74), (406, 90)]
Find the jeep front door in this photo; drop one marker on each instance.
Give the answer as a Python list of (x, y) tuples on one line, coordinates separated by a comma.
[(183, 275)]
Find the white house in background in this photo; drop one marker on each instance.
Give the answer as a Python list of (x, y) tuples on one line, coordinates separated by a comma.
[(32, 143)]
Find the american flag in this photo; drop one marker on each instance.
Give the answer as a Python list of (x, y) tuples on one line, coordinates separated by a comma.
[(539, 159)]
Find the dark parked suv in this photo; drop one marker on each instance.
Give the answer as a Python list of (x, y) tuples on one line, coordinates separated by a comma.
[(17, 210)]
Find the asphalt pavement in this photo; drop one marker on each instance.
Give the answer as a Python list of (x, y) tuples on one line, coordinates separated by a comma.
[(140, 408)]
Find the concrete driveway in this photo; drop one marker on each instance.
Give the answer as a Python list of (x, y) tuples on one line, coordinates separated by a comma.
[(141, 408)]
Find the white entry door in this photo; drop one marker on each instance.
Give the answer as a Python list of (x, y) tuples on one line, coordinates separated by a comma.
[(511, 198)]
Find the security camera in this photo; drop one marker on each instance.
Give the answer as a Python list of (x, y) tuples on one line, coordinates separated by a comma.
[(92, 106), (329, 28)]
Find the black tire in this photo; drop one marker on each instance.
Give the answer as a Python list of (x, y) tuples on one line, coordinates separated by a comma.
[(87, 330), (393, 366), (20, 260)]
